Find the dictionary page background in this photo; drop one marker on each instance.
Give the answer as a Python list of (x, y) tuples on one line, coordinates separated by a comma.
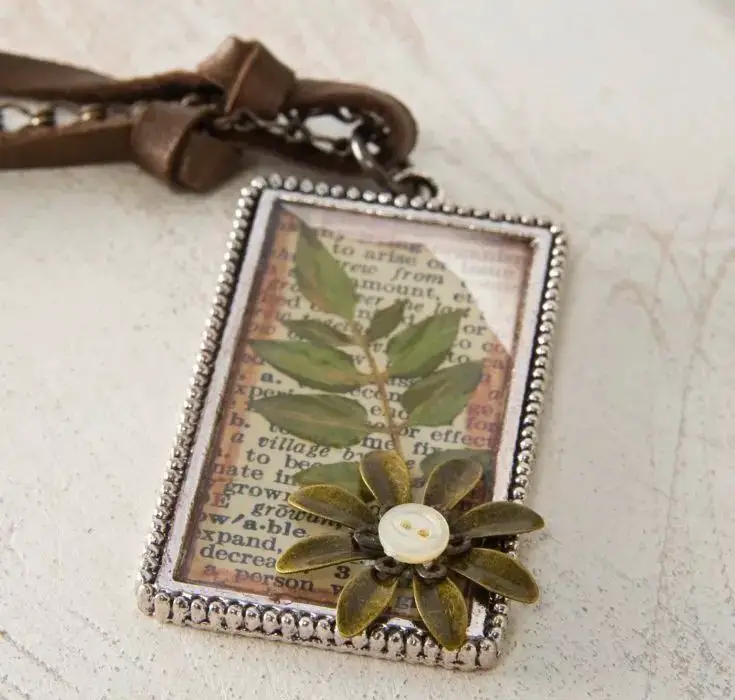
[(242, 520)]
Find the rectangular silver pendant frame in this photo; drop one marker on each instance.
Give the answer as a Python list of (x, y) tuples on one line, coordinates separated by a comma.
[(205, 607)]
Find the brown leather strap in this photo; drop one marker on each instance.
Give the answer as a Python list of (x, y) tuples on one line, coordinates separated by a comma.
[(172, 140)]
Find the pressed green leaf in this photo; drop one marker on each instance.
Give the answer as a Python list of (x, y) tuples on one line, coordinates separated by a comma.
[(318, 332), (421, 348), (315, 366), (462, 379), (497, 520), (498, 573), (331, 421), (443, 609), (450, 482), (318, 552), (387, 476), (385, 321), (344, 474), (440, 397), (362, 600), (321, 278), (333, 503)]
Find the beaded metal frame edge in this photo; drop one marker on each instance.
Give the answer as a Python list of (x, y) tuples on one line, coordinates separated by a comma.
[(280, 622)]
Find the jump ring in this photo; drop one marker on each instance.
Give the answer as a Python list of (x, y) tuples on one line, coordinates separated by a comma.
[(404, 182)]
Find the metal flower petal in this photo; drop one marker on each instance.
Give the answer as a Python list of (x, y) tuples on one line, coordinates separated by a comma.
[(333, 503), (387, 476), (497, 519), (362, 600), (498, 573), (318, 552), (450, 482), (443, 609)]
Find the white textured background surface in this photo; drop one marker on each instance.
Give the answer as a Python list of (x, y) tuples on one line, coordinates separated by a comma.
[(616, 118)]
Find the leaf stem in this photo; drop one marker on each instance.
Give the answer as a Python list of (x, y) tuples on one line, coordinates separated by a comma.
[(380, 380)]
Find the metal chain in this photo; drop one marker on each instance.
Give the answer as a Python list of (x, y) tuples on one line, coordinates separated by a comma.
[(18, 116), (363, 137), (292, 126)]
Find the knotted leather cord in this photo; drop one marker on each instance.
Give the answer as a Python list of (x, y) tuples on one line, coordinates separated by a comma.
[(193, 129)]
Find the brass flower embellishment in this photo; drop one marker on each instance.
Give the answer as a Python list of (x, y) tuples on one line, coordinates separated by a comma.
[(427, 541)]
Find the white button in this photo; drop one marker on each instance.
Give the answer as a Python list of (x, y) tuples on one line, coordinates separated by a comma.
[(413, 533)]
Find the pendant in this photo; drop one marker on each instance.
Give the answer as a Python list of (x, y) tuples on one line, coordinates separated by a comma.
[(351, 467)]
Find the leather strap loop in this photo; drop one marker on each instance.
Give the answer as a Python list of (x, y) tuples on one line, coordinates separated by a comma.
[(168, 137), (167, 143), (250, 76)]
